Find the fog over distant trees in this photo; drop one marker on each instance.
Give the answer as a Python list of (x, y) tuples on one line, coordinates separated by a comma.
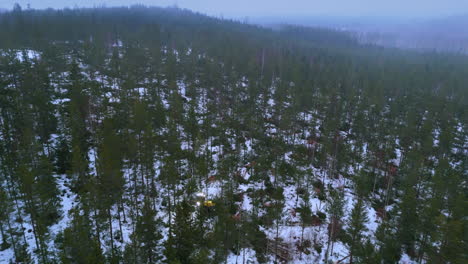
[(442, 34), (422, 25)]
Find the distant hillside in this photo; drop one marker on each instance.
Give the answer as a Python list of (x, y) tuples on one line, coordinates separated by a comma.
[(441, 34), (448, 34)]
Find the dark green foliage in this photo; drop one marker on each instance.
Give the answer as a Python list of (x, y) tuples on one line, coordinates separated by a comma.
[(63, 160), (180, 246), (145, 240), (127, 113), (78, 244), (356, 227)]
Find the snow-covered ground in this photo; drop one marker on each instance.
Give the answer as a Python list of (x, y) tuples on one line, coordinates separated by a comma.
[(286, 227)]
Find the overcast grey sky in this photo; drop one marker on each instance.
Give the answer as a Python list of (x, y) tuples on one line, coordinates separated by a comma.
[(242, 8)]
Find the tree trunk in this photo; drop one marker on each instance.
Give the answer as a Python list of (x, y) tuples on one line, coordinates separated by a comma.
[(110, 231)]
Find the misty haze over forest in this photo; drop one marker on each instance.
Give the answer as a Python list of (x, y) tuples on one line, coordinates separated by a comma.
[(292, 8), (421, 25), (425, 34)]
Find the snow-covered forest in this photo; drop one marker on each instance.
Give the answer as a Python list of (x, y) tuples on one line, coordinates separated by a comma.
[(158, 135)]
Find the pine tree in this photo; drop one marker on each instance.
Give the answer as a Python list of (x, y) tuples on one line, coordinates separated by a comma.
[(146, 238), (78, 244), (356, 228), (335, 213), (181, 245)]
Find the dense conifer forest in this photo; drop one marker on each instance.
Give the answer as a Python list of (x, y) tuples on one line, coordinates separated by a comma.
[(159, 135)]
